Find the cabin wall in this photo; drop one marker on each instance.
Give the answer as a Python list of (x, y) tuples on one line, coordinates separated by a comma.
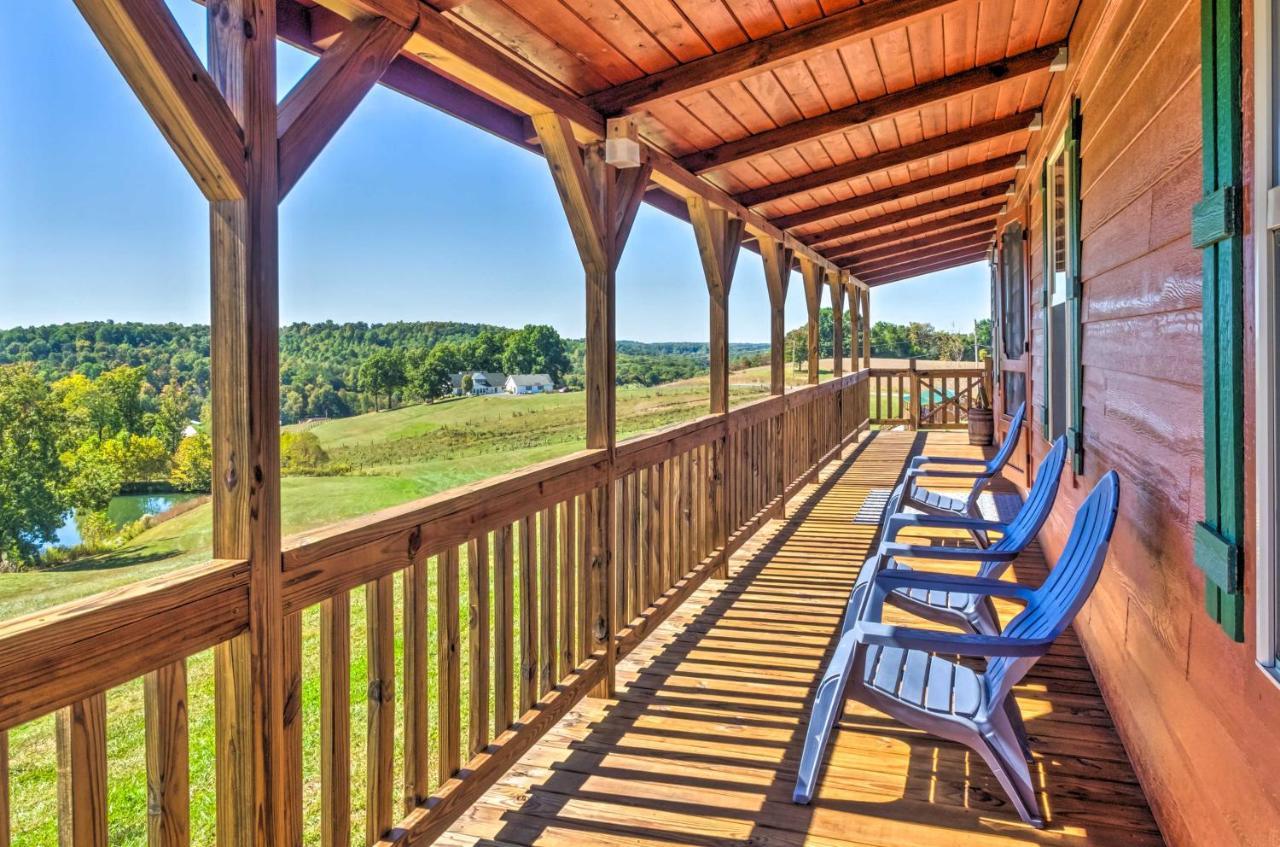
[(1198, 717)]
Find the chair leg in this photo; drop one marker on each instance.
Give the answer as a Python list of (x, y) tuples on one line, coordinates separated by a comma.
[(828, 705), (1002, 751), (1014, 713), (982, 618)]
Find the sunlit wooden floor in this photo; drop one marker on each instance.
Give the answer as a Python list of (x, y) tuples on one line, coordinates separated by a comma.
[(700, 746)]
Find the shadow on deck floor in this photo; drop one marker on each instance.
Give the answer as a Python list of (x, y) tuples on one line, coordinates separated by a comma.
[(701, 744)]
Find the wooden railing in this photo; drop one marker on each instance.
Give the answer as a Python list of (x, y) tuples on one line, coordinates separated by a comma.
[(515, 598), (925, 395)]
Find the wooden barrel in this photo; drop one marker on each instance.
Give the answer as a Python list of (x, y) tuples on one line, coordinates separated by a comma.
[(981, 427)]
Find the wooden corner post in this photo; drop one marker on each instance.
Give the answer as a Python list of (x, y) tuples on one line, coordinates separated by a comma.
[(835, 279), (600, 202), (866, 327), (777, 275), (812, 273), (719, 237)]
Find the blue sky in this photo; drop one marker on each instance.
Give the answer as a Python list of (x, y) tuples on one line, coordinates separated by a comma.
[(407, 215)]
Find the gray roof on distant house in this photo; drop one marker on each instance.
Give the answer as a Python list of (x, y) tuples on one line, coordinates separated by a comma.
[(495, 379), (529, 380)]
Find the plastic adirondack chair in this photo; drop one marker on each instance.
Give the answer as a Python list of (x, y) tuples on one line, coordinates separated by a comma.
[(981, 471), (973, 612), (902, 670)]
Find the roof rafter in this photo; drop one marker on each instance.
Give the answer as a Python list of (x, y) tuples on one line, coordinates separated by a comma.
[(763, 54), (910, 271), (895, 263), (924, 229), (989, 193), (879, 108), (898, 192), (941, 241), (938, 145)]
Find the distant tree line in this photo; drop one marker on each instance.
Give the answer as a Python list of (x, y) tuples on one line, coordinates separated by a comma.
[(893, 341)]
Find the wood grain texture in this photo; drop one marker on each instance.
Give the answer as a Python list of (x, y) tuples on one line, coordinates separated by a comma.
[(778, 260), (81, 734), (478, 643), (380, 697), (168, 776), (417, 685), (937, 227), (449, 663), (983, 196), (335, 721), (719, 237)]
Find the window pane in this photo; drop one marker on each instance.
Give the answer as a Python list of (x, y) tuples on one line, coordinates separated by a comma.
[(1058, 212), (1013, 291)]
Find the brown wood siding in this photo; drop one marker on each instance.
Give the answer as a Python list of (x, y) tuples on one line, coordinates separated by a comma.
[(1197, 717)]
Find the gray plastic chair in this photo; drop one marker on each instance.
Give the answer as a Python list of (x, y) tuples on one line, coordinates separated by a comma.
[(903, 672), (910, 493), (973, 612)]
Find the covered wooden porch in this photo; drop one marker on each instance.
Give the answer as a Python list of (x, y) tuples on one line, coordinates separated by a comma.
[(701, 742)]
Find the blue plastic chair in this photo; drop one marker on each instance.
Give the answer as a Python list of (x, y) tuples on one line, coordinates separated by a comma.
[(973, 612), (910, 493), (904, 672)]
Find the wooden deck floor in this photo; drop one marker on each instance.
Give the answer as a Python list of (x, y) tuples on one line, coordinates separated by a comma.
[(701, 744)]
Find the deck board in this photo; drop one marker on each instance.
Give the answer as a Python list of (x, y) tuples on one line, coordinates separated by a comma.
[(701, 744)]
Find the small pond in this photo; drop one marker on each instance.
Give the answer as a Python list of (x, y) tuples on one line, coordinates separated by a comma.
[(124, 509)]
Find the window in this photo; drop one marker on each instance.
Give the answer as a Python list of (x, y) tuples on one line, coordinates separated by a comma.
[(1013, 314), (1063, 410)]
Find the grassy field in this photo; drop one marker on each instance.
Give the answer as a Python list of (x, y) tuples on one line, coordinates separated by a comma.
[(396, 456)]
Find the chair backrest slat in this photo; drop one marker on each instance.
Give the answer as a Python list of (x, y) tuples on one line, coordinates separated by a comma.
[(1011, 437), (1026, 525), (1057, 601)]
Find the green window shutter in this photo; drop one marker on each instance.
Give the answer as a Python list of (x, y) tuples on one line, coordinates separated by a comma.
[(1046, 243), (1075, 293), (1215, 230)]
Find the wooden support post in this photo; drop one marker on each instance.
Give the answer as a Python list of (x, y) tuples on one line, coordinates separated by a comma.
[(600, 202), (866, 327), (777, 275), (253, 783), (812, 275), (835, 279), (719, 239), (913, 381)]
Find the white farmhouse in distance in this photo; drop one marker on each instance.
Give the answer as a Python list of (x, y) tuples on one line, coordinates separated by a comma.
[(529, 384), (482, 382)]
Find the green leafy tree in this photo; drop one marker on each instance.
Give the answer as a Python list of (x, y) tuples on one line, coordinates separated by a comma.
[(430, 376), (172, 415), (382, 374), (484, 352), (468, 383), (140, 458), (537, 348), (32, 477), (193, 464), (93, 476), (301, 453)]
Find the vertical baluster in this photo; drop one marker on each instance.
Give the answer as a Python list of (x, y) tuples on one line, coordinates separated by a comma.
[(504, 635), (449, 662), (335, 721), (478, 642), (670, 530), (568, 588), (584, 577), (641, 564), (291, 647), (4, 789), (547, 587), (528, 614), (686, 515), (380, 614), (653, 586), (82, 772), (164, 695), (417, 693), (621, 550)]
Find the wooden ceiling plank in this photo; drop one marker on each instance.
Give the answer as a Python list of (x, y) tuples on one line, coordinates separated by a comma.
[(938, 227), (898, 192), (905, 100), (764, 54), (925, 268), (313, 111), (942, 241), (980, 195), (926, 254), (145, 43), (945, 143)]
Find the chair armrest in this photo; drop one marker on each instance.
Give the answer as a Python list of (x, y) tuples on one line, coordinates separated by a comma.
[(902, 520), (945, 554), (932, 641), (945, 460), (889, 580), (917, 473)]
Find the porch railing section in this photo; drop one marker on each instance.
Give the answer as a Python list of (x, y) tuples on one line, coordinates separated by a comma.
[(497, 605), (929, 397)]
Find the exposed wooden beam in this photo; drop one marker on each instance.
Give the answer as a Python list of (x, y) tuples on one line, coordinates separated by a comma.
[(764, 54), (884, 266), (778, 259), (908, 272), (812, 273), (940, 241), (157, 61), (879, 108), (925, 229), (898, 192), (719, 237), (321, 102), (988, 194), (935, 146)]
